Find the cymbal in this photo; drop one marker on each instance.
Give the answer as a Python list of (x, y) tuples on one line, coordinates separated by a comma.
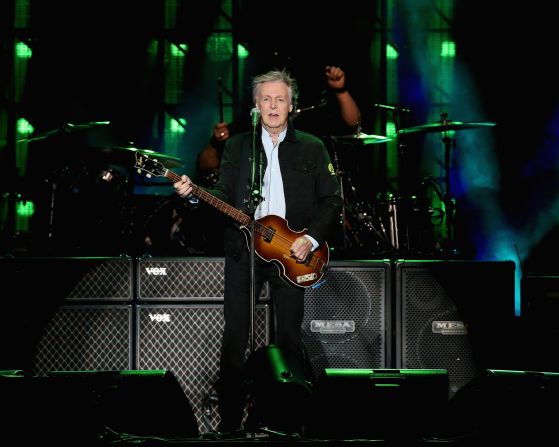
[(65, 128), (127, 153), (444, 126), (362, 138)]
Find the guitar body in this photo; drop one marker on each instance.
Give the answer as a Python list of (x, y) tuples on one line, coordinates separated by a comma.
[(276, 249)]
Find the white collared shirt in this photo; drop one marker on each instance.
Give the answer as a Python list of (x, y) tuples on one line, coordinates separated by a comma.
[(272, 183)]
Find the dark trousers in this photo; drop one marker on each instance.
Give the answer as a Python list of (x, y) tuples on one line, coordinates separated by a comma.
[(287, 311)]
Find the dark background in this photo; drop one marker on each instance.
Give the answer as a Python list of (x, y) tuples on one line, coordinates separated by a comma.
[(89, 63)]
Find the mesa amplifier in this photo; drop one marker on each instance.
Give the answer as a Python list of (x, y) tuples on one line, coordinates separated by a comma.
[(183, 279), (454, 315), (346, 322)]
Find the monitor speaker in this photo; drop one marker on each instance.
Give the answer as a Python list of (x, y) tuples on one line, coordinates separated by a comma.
[(377, 403), (96, 407), (507, 406)]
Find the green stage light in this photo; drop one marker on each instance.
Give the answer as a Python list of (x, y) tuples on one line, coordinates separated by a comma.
[(23, 51), (391, 52), (448, 49)]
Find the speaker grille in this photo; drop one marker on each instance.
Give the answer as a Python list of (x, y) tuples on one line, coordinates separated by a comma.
[(427, 303), (183, 279), (344, 324), (104, 279), (72, 279), (85, 338), (446, 307), (186, 339)]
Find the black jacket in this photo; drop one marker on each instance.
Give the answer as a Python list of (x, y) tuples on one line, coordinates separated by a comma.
[(312, 191)]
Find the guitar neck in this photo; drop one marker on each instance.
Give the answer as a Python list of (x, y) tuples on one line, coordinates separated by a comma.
[(201, 193)]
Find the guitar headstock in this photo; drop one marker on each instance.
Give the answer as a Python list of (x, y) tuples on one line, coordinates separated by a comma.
[(149, 166)]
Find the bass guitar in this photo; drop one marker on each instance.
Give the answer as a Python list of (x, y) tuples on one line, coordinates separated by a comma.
[(273, 237)]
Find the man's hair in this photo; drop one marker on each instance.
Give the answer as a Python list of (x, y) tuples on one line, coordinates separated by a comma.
[(274, 76)]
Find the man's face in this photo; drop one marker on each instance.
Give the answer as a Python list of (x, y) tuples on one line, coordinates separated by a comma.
[(274, 104)]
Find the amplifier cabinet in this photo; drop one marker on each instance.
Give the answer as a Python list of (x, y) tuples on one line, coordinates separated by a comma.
[(183, 279), (85, 337), (454, 315), (186, 340), (345, 323)]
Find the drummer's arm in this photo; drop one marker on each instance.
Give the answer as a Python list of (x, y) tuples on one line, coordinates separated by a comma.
[(349, 111), (348, 108)]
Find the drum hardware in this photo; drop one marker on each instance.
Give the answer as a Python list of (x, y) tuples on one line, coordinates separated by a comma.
[(82, 191), (437, 214), (363, 229), (444, 125), (385, 237), (340, 174), (393, 220), (395, 108), (353, 224), (125, 155), (362, 139)]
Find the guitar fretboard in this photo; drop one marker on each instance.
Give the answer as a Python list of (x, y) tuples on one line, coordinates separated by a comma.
[(231, 211)]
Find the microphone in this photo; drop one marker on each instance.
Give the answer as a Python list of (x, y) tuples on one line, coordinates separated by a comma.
[(255, 113), (395, 108)]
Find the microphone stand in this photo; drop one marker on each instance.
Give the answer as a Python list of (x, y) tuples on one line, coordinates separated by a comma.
[(254, 200)]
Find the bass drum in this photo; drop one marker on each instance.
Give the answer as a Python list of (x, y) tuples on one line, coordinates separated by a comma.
[(178, 228)]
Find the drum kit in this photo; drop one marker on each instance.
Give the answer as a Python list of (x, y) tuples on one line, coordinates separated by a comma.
[(83, 193), (392, 224)]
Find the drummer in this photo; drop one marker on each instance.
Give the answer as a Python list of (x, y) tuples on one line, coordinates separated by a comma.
[(332, 112)]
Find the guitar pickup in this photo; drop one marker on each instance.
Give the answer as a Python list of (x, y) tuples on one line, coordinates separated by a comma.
[(269, 234)]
